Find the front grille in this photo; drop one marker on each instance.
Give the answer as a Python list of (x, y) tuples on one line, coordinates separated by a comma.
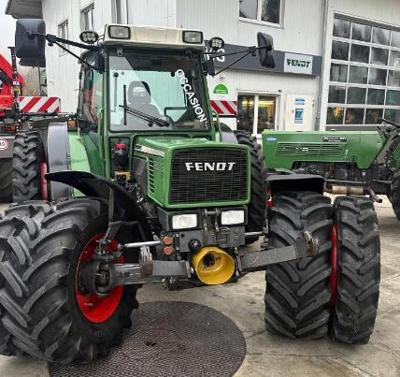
[(189, 185), (320, 149)]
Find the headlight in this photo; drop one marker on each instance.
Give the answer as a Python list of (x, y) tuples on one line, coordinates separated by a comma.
[(185, 221), (119, 32), (232, 217), (192, 36)]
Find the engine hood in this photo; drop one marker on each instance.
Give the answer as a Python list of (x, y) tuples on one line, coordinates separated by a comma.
[(162, 145), (185, 172)]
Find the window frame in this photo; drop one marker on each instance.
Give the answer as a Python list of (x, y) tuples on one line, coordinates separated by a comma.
[(259, 21), (88, 10), (60, 28), (369, 65)]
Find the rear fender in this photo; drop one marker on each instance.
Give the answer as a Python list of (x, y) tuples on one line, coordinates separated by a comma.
[(123, 205), (295, 182)]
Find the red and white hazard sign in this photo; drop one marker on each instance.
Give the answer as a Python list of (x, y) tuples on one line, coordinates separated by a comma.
[(38, 104), (225, 108)]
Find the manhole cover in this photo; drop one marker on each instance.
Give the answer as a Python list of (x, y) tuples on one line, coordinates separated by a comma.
[(170, 339)]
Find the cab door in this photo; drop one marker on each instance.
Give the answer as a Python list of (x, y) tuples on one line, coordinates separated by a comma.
[(90, 116)]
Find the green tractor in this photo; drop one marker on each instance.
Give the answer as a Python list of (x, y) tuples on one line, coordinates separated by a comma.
[(352, 162), (147, 186)]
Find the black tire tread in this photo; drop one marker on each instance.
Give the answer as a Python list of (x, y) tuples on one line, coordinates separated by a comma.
[(6, 180), (395, 193), (298, 293), (357, 299), (28, 153), (256, 207)]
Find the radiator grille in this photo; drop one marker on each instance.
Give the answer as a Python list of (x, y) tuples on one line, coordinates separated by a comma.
[(319, 149), (209, 182)]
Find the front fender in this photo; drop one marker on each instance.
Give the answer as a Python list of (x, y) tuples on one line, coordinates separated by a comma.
[(124, 205)]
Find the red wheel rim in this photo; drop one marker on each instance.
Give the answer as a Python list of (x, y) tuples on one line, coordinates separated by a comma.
[(334, 264), (44, 194), (94, 308)]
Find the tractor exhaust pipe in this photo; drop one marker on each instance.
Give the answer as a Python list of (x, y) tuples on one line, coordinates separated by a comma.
[(346, 190), (354, 190)]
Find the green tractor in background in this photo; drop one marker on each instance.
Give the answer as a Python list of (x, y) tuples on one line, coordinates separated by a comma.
[(146, 185), (352, 162)]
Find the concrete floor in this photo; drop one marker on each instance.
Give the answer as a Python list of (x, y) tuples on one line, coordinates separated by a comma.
[(272, 356)]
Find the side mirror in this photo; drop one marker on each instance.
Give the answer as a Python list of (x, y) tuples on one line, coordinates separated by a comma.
[(30, 40), (266, 50)]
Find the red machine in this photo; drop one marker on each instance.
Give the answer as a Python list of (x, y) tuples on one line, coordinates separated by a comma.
[(11, 83)]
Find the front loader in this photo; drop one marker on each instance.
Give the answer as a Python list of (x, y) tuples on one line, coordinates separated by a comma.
[(150, 187)]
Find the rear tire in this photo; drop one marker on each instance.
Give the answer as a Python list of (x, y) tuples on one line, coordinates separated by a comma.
[(40, 310), (298, 292), (257, 205), (395, 193), (6, 195), (26, 179), (358, 275)]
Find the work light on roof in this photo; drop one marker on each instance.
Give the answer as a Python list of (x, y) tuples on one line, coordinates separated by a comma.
[(216, 43), (119, 32), (89, 37), (193, 37)]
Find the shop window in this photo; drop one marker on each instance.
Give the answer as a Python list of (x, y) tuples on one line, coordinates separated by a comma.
[(261, 10), (364, 73), (245, 116), (63, 33), (256, 113), (87, 18)]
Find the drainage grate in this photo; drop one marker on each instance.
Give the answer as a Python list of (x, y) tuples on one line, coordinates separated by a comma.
[(170, 339)]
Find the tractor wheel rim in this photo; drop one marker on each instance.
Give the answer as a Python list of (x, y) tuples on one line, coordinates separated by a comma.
[(43, 182), (334, 264), (94, 308)]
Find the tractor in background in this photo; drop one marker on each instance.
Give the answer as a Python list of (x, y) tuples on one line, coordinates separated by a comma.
[(352, 162), (150, 187), (22, 127)]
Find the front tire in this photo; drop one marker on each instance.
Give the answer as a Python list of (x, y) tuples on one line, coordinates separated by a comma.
[(358, 270), (298, 292), (41, 311), (257, 205)]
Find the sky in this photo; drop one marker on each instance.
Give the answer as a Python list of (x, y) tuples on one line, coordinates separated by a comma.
[(7, 30)]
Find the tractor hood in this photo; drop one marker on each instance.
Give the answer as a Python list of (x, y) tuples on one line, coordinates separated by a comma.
[(282, 149), (185, 172)]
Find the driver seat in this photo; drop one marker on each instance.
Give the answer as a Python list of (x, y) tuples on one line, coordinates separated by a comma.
[(139, 97)]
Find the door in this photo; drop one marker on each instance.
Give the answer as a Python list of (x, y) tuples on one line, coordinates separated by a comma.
[(256, 113)]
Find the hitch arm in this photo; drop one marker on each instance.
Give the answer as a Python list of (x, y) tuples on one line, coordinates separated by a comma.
[(305, 246)]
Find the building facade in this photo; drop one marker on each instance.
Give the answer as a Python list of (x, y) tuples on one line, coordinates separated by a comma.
[(337, 61)]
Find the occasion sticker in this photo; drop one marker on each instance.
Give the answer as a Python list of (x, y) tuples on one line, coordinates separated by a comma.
[(3, 144), (191, 96)]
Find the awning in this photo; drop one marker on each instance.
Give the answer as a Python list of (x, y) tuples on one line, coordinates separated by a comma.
[(24, 8)]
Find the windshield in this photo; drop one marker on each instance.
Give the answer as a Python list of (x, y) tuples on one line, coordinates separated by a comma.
[(161, 90)]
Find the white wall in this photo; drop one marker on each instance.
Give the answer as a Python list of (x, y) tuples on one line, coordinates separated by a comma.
[(241, 82), (299, 32), (385, 12)]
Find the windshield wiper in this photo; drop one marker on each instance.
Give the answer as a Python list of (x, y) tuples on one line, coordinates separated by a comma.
[(149, 118), (140, 114)]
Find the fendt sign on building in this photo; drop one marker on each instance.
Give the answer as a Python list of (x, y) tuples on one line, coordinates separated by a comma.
[(296, 63), (285, 62)]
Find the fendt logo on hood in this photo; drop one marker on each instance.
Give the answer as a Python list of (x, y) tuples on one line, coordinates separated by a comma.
[(209, 166)]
